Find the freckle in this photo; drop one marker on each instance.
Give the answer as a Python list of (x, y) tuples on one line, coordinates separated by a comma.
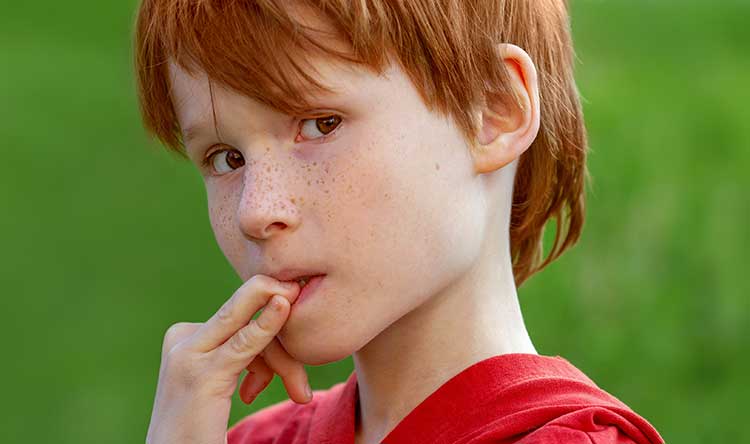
[(315, 163), (301, 200), (437, 166), (294, 200), (326, 191), (308, 183), (268, 148), (334, 179)]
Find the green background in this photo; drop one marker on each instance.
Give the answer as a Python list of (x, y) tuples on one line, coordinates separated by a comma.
[(106, 241)]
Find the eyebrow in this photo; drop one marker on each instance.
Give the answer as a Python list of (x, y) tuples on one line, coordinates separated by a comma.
[(193, 131)]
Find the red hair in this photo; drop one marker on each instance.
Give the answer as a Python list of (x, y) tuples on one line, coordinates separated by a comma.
[(448, 48)]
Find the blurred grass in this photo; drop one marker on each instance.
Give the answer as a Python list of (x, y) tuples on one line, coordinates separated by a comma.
[(106, 240)]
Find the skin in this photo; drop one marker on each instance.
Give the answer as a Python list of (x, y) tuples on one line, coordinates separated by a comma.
[(408, 220)]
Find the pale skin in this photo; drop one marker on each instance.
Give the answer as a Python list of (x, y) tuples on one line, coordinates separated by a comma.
[(407, 219)]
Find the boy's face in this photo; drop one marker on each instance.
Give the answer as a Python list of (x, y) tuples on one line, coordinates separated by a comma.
[(388, 206)]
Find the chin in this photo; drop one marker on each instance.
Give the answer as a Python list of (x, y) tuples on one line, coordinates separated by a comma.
[(317, 349)]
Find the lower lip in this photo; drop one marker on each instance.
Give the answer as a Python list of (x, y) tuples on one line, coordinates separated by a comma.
[(309, 288)]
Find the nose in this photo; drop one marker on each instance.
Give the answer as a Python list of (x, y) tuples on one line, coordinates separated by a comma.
[(264, 209)]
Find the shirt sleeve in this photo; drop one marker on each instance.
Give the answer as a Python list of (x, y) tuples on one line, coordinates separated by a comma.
[(594, 425), (568, 435)]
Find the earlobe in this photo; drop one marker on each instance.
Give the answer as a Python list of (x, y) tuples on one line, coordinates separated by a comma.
[(508, 127)]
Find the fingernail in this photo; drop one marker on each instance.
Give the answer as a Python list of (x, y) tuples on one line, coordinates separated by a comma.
[(276, 302), (308, 391)]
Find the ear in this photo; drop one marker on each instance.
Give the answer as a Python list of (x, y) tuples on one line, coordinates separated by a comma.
[(506, 129)]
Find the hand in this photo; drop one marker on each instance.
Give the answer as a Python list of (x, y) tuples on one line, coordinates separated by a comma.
[(201, 363)]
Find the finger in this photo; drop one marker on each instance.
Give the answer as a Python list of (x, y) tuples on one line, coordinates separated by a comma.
[(239, 310), (249, 341), (259, 375), (291, 371)]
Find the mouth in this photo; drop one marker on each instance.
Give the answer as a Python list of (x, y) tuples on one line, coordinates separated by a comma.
[(304, 279), (308, 284), (307, 279)]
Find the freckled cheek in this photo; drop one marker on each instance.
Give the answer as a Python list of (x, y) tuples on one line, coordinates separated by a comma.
[(221, 212), (317, 189)]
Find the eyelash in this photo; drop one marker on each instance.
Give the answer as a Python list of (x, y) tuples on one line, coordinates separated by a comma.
[(207, 161)]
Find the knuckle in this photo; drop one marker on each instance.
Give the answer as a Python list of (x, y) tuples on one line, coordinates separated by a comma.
[(266, 322), (243, 340), (261, 280), (173, 335), (225, 313), (248, 337), (176, 328)]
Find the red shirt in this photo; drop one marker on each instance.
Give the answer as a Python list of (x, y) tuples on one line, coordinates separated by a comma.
[(512, 398)]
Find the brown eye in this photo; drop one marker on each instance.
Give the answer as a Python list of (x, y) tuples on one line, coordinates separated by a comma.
[(225, 161), (317, 128), (327, 124)]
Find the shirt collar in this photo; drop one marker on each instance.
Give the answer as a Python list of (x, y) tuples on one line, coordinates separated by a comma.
[(470, 391)]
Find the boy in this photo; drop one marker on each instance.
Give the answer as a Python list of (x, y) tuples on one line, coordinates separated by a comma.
[(386, 168)]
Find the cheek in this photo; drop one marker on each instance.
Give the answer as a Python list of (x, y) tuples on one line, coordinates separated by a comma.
[(401, 221), (222, 214), (221, 221)]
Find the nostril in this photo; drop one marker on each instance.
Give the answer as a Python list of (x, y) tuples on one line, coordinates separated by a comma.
[(276, 226)]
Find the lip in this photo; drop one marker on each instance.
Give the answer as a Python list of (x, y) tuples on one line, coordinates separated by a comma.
[(309, 289), (292, 274)]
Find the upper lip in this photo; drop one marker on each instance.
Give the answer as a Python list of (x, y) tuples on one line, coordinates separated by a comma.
[(293, 274)]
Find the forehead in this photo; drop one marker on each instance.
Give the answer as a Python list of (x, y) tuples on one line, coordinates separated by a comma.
[(194, 86), (339, 77)]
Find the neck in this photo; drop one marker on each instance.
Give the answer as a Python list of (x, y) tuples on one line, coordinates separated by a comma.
[(417, 354)]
